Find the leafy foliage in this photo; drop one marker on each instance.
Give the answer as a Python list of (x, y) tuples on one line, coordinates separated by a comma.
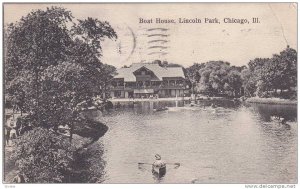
[(93, 31), (38, 40), (267, 75), (35, 42), (43, 157), (263, 77), (216, 77), (52, 63), (91, 170)]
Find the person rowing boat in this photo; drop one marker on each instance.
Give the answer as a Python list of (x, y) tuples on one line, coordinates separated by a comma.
[(159, 167)]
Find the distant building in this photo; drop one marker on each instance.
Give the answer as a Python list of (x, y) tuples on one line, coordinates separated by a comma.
[(148, 79)]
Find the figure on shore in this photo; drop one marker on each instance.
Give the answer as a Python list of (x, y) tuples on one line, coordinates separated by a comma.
[(13, 126), (7, 134), (10, 130), (19, 178)]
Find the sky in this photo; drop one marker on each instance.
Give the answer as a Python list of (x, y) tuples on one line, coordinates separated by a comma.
[(185, 44)]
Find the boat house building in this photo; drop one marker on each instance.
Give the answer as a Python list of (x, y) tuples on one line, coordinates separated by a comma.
[(144, 80)]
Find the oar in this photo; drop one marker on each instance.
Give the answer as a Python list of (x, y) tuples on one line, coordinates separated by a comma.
[(178, 164), (145, 163)]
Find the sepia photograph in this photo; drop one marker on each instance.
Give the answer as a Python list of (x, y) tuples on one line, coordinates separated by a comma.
[(150, 93)]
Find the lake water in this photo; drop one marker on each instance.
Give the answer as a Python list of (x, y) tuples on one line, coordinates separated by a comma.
[(237, 143)]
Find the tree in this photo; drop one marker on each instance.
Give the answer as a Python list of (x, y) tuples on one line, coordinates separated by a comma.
[(234, 82), (256, 63), (216, 78), (42, 42), (286, 70), (51, 68), (267, 75), (88, 35), (93, 32), (65, 87), (108, 73), (35, 42), (193, 71), (213, 76), (43, 157), (204, 85), (249, 82)]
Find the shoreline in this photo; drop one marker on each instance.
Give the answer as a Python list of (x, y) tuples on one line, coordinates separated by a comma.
[(257, 100), (148, 99), (163, 99), (276, 101)]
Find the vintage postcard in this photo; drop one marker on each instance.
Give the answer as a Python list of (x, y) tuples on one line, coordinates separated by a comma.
[(125, 93)]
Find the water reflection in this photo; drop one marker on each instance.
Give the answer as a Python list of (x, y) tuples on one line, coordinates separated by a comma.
[(233, 143), (266, 111)]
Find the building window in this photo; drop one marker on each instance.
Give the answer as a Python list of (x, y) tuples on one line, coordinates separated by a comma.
[(165, 83), (172, 83), (139, 83), (118, 94), (179, 83), (147, 83)]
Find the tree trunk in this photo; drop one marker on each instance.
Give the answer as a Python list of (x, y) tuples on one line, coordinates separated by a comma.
[(37, 93), (72, 124), (71, 132), (14, 111), (104, 94)]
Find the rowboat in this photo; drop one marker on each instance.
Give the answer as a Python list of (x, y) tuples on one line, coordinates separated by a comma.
[(159, 171), (194, 104)]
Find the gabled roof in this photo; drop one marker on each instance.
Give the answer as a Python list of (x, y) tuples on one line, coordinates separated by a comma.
[(160, 72), (143, 67)]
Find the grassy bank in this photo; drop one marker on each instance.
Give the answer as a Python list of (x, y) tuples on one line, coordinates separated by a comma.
[(271, 101)]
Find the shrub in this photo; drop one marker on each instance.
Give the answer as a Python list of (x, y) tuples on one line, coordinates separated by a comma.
[(43, 156), (91, 169)]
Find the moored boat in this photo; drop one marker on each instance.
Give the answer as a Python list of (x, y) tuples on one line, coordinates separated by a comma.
[(278, 119), (161, 109)]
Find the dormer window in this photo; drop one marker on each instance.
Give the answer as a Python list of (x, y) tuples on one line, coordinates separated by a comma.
[(143, 72)]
